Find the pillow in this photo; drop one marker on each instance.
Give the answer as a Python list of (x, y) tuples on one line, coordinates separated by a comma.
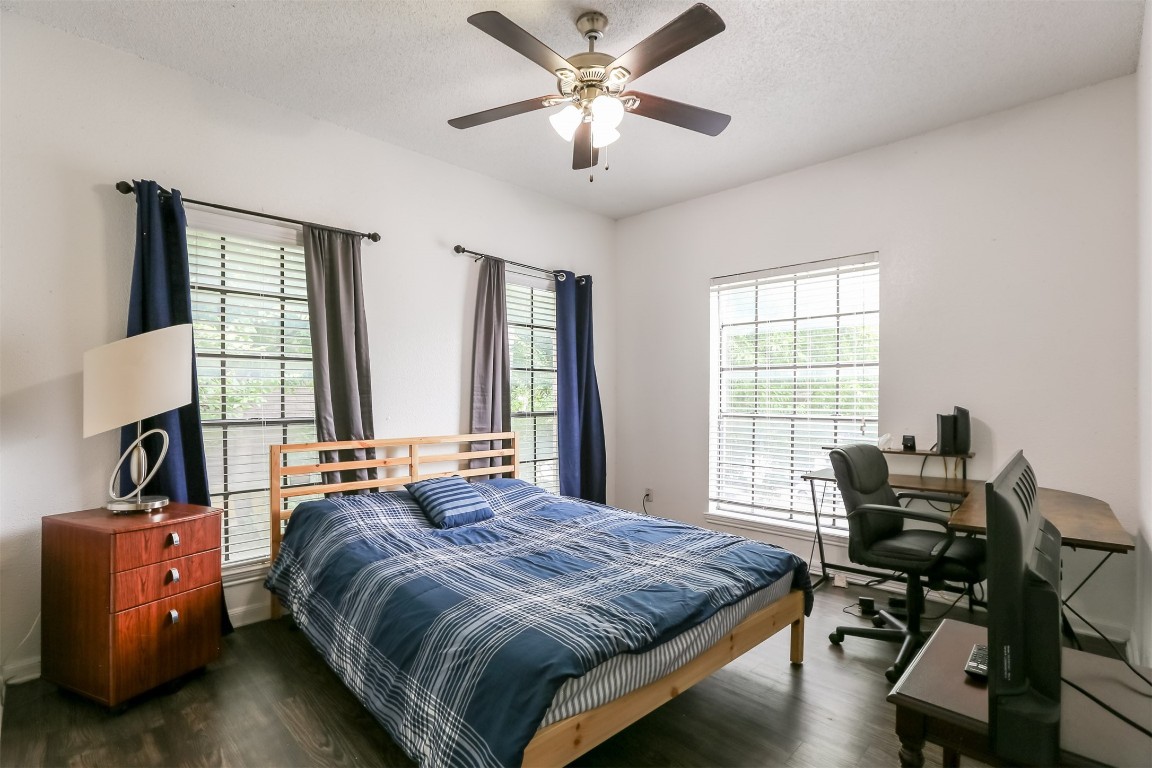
[(449, 502)]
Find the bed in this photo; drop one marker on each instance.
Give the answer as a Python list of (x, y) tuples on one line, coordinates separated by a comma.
[(527, 638)]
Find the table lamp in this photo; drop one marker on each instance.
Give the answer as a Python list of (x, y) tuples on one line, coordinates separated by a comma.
[(128, 381)]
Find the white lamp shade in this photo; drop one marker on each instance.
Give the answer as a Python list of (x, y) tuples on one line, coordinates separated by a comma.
[(607, 110), (566, 121), (602, 135), (129, 380)]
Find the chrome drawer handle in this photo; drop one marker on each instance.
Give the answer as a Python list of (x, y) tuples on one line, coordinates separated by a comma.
[(174, 616), (174, 576), (173, 539)]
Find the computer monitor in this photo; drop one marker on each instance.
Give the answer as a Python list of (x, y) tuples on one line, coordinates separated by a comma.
[(1024, 638)]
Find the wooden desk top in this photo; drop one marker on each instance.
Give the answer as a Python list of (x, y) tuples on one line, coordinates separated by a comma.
[(1083, 521), (935, 686)]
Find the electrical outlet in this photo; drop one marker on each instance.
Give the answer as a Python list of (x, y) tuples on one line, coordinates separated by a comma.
[(648, 494), (840, 580)]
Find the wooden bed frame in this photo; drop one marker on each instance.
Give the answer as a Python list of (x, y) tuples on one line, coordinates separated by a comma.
[(404, 460)]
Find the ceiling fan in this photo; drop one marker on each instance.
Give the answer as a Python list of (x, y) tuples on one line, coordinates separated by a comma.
[(592, 85)]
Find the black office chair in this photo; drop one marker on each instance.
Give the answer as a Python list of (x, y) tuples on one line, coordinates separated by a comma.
[(877, 538)]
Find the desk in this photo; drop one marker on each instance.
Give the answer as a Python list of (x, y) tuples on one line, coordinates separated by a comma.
[(1083, 522), (936, 702)]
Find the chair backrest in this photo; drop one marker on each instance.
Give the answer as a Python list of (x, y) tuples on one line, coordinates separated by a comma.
[(862, 477)]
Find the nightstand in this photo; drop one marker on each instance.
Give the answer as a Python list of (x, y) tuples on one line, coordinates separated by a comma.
[(129, 601)]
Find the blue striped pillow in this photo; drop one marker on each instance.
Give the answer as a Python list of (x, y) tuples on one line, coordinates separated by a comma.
[(449, 502)]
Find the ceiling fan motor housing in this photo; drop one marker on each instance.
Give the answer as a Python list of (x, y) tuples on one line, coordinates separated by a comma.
[(591, 25)]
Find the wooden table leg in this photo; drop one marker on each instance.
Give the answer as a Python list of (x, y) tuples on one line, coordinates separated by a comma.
[(911, 727), (951, 758), (912, 752)]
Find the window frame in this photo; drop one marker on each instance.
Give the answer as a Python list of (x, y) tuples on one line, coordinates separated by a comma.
[(529, 445), (797, 514), (250, 522)]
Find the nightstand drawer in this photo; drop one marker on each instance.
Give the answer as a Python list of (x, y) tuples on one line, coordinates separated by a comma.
[(133, 549), (152, 582), (164, 639)]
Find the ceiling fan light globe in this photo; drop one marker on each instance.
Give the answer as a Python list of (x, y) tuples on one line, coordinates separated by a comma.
[(603, 135), (566, 121), (608, 110)]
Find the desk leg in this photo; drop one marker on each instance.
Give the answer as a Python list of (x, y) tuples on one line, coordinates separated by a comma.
[(951, 758), (911, 727), (819, 538), (1067, 626)]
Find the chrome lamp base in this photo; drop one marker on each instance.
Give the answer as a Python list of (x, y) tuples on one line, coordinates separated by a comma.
[(135, 500), (136, 504)]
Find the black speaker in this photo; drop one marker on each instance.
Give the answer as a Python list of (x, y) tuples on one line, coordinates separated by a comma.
[(963, 443), (946, 434)]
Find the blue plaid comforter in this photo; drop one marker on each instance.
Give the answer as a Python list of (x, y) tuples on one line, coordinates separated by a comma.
[(457, 640)]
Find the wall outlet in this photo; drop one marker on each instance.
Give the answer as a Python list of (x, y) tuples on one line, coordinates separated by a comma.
[(840, 580), (648, 494)]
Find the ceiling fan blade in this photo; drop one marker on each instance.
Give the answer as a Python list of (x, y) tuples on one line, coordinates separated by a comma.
[(684, 115), (499, 113), (584, 155), (684, 32), (506, 31)]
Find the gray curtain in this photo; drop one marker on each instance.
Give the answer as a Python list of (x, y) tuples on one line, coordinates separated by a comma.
[(491, 393), (341, 368)]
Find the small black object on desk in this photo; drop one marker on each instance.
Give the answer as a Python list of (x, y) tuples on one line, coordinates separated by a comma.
[(909, 442)]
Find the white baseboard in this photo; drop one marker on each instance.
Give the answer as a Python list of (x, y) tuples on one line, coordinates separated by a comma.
[(249, 614), (1135, 651), (21, 671)]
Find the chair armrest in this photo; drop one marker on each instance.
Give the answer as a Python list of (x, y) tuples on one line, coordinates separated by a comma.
[(946, 498), (927, 515)]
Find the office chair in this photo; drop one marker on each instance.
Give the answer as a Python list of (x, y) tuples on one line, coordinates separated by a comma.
[(877, 537)]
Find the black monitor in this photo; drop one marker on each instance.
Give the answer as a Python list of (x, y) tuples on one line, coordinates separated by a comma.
[(1024, 639)]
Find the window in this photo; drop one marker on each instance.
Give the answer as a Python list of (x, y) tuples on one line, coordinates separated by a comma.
[(795, 368), (253, 363), (532, 348)]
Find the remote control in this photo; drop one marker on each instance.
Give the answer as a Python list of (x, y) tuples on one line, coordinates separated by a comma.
[(977, 665)]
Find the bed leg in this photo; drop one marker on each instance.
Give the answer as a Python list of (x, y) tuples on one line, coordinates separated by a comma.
[(796, 654), (276, 610)]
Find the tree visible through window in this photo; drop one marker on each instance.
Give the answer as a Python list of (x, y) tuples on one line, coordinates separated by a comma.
[(795, 369), (532, 347), (254, 366)]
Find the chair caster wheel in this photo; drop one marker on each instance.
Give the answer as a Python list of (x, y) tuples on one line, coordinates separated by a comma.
[(878, 621), (893, 674), (835, 638)]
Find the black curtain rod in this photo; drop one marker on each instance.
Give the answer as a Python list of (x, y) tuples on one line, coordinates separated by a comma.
[(552, 273), (126, 188)]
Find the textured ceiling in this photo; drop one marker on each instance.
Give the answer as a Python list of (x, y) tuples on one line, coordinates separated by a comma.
[(805, 81)]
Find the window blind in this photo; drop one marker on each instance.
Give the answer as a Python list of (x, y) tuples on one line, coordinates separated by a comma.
[(795, 367), (532, 349), (253, 363)]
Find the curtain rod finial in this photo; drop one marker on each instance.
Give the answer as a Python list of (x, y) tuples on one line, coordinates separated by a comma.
[(374, 237), (458, 249), (124, 187)]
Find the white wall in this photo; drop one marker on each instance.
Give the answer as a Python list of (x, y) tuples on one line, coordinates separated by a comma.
[(77, 117), (1141, 645), (1008, 285)]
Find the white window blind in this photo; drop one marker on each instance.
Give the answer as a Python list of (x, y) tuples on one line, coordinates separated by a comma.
[(532, 347), (253, 363), (795, 368)]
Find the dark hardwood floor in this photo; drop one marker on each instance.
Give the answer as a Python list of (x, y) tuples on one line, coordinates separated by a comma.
[(271, 701)]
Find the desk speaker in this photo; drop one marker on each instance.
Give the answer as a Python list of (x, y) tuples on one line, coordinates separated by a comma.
[(946, 434), (963, 443)]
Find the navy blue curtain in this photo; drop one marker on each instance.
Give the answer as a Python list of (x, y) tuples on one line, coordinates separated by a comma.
[(161, 298), (580, 423)]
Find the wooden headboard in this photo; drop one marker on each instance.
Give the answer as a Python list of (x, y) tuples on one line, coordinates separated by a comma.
[(398, 461)]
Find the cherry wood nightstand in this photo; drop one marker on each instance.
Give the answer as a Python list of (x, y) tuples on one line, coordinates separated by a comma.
[(129, 601)]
